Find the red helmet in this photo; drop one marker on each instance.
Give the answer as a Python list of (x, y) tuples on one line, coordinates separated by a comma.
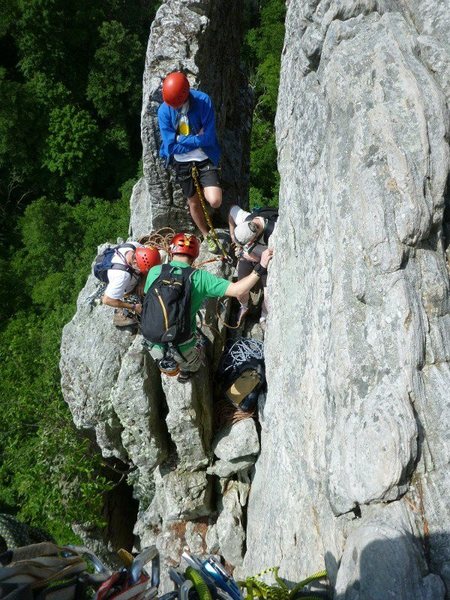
[(185, 243), (175, 89), (146, 258)]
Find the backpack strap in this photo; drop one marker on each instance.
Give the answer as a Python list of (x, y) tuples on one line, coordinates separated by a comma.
[(125, 266)]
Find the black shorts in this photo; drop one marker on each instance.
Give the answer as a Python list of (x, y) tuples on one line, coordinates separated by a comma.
[(208, 176)]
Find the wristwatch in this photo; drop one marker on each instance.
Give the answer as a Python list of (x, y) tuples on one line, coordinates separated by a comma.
[(259, 270)]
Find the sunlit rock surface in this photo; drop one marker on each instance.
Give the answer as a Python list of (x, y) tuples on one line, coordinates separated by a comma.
[(357, 347)]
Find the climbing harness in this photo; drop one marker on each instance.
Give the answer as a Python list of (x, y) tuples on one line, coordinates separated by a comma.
[(225, 256)]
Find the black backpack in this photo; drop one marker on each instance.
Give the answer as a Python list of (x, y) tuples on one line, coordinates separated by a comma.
[(241, 373), (103, 262), (166, 312)]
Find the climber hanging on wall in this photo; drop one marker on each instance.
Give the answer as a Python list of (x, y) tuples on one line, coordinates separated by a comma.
[(173, 295), (187, 125), (123, 269), (251, 232)]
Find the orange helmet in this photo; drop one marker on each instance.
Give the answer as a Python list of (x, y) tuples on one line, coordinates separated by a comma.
[(146, 258), (175, 89), (185, 243)]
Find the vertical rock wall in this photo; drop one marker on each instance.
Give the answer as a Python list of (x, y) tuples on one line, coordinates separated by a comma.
[(354, 466), (202, 38)]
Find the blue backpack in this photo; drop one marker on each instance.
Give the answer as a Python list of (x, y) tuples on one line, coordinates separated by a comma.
[(103, 262)]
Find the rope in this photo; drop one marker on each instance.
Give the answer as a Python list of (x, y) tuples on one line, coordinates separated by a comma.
[(224, 323), (260, 590), (198, 187), (159, 239), (242, 351)]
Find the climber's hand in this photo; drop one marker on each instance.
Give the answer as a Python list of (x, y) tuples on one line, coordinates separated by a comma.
[(266, 257)]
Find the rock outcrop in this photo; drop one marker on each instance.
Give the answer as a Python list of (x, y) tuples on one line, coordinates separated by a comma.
[(354, 465), (161, 430), (202, 38), (353, 471)]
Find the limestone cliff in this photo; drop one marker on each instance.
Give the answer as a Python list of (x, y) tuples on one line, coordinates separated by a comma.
[(354, 463), (355, 451)]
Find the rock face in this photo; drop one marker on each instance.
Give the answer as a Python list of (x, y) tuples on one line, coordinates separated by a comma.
[(357, 410), (353, 471), (203, 38)]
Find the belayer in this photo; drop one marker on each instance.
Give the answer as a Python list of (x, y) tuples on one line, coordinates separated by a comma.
[(188, 131), (174, 293), (123, 268), (251, 233)]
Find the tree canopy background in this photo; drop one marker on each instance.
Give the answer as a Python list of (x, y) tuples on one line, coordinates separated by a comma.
[(70, 101)]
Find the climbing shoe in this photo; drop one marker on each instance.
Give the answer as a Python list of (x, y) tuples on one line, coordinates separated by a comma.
[(120, 319), (212, 244), (184, 376)]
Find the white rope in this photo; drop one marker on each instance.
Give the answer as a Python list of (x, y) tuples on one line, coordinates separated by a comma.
[(241, 351)]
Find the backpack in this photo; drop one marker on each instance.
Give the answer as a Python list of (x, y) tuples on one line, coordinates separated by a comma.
[(166, 312), (241, 372), (103, 262)]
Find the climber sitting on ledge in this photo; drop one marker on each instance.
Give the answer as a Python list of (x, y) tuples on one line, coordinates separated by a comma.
[(188, 131), (123, 269), (173, 295)]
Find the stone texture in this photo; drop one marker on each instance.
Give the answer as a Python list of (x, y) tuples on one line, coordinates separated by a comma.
[(229, 528), (189, 420), (357, 346), (382, 560), (237, 440), (227, 468), (195, 36)]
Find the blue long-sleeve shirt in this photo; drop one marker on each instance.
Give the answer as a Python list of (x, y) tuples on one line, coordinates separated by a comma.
[(201, 118)]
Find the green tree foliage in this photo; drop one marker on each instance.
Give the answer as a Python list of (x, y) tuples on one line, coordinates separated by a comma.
[(73, 148), (70, 95), (49, 474), (111, 81), (264, 43), (70, 70)]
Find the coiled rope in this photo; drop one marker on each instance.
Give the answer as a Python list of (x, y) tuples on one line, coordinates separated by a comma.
[(241, 351)]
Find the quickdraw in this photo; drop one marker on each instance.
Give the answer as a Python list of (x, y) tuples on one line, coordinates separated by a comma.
[(225, 256)]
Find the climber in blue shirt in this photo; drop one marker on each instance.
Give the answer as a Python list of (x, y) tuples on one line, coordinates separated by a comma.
[(187, 125)]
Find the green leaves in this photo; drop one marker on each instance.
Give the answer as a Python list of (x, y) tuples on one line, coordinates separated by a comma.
[(264, 44), (73, 148), (48, 471), (118, 64)]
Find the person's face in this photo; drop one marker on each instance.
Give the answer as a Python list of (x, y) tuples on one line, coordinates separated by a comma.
[(131, 259)]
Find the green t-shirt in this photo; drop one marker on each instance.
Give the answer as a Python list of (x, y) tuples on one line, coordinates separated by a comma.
[(204, 285)]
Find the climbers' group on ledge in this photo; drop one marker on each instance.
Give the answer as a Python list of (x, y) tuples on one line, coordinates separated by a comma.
[(168, 295)]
